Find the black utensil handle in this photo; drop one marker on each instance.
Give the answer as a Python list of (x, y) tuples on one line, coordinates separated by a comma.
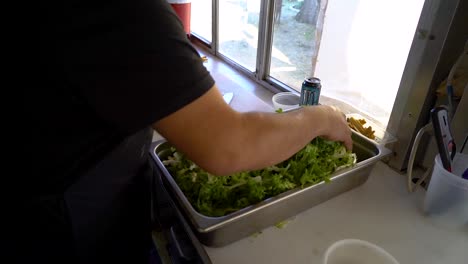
[(464, 144)]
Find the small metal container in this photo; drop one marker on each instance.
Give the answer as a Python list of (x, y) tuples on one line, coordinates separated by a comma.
[(310, 91), (220, 231)]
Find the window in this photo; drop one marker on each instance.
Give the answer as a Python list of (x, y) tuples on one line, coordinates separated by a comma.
[(238, 31), (363, 52), (201, 19), (294, 41), (358, 48)]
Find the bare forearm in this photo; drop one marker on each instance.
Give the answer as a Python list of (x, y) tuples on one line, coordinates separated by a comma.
[(255, 140), (223, 141), (264, 139)]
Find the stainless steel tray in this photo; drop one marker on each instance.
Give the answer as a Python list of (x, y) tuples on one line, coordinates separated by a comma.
[(220, 231)]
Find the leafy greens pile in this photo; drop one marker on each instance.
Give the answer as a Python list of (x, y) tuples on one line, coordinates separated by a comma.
[(220, 195)]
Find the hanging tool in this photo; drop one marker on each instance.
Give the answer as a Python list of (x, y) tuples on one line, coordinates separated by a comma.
[(443, 135)]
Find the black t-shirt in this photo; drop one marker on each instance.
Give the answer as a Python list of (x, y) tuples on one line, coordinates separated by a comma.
[(109, 69)]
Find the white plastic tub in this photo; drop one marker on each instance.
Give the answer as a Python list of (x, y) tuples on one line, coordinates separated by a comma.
[(446, 200), (286, 100), (355, 251)]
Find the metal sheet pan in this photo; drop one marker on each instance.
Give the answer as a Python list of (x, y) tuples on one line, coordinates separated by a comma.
[(220, 231)]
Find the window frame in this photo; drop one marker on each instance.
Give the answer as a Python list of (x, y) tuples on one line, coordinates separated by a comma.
[(413, 101)]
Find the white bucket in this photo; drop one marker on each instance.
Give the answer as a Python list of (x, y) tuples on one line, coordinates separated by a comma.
[(446, 200)]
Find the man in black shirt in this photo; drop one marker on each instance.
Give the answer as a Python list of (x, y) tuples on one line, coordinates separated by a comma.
[(112, 71)]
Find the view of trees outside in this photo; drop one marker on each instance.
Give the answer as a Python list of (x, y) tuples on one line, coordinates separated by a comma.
[(293, 39)]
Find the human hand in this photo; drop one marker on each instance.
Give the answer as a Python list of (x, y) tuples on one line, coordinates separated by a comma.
[(334, 125)]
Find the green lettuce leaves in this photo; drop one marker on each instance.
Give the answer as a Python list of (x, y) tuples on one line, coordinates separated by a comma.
[(220, 195)]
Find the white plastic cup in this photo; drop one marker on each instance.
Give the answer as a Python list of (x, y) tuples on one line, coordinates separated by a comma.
[(286, 100), (446, 200), (355, 251)]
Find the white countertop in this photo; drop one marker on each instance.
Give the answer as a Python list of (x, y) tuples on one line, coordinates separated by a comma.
[(380, 211)]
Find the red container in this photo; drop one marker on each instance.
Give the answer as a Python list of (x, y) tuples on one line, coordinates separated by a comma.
[(183, 10)]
